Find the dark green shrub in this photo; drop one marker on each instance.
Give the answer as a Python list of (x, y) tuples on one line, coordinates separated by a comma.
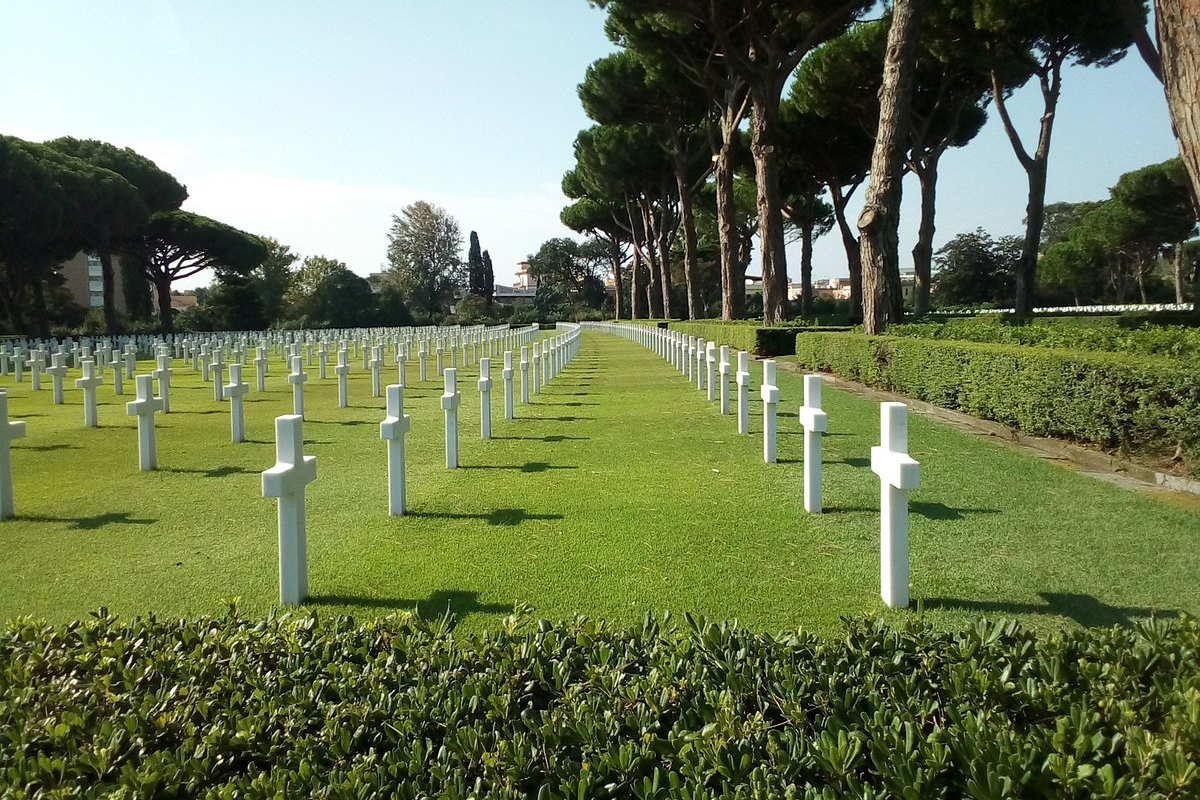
[(1135, 405), (397, 708), (749, 336)]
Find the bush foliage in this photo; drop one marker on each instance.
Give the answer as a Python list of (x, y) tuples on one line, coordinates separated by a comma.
[(748, 336), (401, 708), (1135, 405)]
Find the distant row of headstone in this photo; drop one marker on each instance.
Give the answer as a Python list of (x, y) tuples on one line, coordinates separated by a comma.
[(709, 366)]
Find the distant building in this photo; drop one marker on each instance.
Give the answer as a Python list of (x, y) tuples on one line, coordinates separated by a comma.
[(84, 279), (514, 296), (524, 281)]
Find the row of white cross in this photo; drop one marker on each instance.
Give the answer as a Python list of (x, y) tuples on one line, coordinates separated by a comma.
[(709, 366)]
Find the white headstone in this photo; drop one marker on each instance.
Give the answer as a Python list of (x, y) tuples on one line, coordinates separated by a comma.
[(342, 370), (218, 375), (376, 364), (769, 393), (163, 376), (235, 391), (813, 420), (898, 473), (144, 408), (485, 398), (88, 383), (710, 358), (392, 430), (286, 480), (297, 378), (57, 371), (524, 374), (723, 371), (260, 369), (450, 402), (743, 392), (8, 432), (537, 370), (507, 375)]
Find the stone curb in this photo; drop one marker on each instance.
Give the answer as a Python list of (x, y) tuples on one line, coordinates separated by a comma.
[(1082, 457)]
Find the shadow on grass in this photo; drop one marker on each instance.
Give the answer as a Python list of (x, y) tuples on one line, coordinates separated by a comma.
[(457, 602), (215, 472), (1085, 609), (91, 523), (572, 404), (551, 438), (852, 462), (45, 448), (504, 517), (556, 419), (529, 466), (340, 422), (945, 512)]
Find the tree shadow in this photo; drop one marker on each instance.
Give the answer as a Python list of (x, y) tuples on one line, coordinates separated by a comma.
[(457, 602), (529, 466), (504, 517), (1084, 609), (215, 472), (90, 523), (945, 512)]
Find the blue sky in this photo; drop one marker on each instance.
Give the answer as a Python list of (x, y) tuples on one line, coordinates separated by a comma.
[(314, 122)]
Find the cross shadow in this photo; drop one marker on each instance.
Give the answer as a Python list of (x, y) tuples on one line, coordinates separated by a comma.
[(530, 466), (1085, 609), (91, 523), (557, 419), (457, 602), (506, 517), (340, 422), (215, 472), (852, 462), (46, 448), (945, 512), (572, 404), (551, 438), (212, 411)]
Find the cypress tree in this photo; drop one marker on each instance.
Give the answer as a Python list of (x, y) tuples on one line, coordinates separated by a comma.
[(474, 266), (489, 279)]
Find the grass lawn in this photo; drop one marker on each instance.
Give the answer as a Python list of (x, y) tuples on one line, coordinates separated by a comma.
[(618, 490)]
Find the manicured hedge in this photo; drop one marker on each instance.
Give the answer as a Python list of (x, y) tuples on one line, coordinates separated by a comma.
[(396, 708), (1081, 333), (1136, 405), (748, 336)]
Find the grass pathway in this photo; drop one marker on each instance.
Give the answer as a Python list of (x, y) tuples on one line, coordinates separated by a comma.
[(618, 490)]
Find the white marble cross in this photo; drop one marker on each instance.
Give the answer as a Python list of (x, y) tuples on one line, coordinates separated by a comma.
[(769, 393), (57, 371), (723, 371), (537, 370), (35, 365), (144, 408), (485, 398), (163, 376), (524, 374), (710, 358), (438, 352), (286, 481), (205, 363), (322, 358), (898, 473), (507, 375), (421, 360), (88, 383), (813, 420), (450, 402), (235, 391), (392, 430), (402, 364), (342, 370), (8, 432), (297, 378), (260, 368), (376, 363), (117, 365), (743, 392), (130, 360), (218, 376)]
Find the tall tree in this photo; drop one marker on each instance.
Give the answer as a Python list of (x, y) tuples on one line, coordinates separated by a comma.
[(572, 269), (180, 244), (272, 280), (109, 228), (974, 268), (489, 279), (474, 266), (424, 255), (878, 225), (600, 220), (1048, 35)]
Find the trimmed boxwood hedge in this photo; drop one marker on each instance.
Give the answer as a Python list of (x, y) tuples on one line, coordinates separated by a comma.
[(395, 707), (1070, 333), (748, 336), (1135, 405)]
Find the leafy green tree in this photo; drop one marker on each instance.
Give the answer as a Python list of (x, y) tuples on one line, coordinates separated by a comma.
[(1159, 197), (1048, 35), (111, 218), (600, 217), (234, 303), (135, 287), (489, 280), (975, 269), (424, 248), (342, 300), (572, 268), (390, 308), (272, 280), (180, 244)]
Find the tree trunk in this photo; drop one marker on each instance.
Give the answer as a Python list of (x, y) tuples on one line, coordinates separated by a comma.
[(162, 286), (39, 306), (733, 292), (637, 294), (1178, 264), (652, 257), (1178, 29), (618, 280), (879, 238), (922, 251), (770, 219), (806, 247), (853, 254), (687, 220), (111, 323)]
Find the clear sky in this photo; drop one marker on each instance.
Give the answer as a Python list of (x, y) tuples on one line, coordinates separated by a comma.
[(314, 122)]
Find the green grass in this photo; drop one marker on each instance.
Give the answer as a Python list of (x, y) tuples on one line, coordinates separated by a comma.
[(617, 490)]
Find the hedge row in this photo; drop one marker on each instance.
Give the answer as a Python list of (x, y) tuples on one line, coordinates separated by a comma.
[(748, 336), (397, 708), (1173, 342), (1137, 406)]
